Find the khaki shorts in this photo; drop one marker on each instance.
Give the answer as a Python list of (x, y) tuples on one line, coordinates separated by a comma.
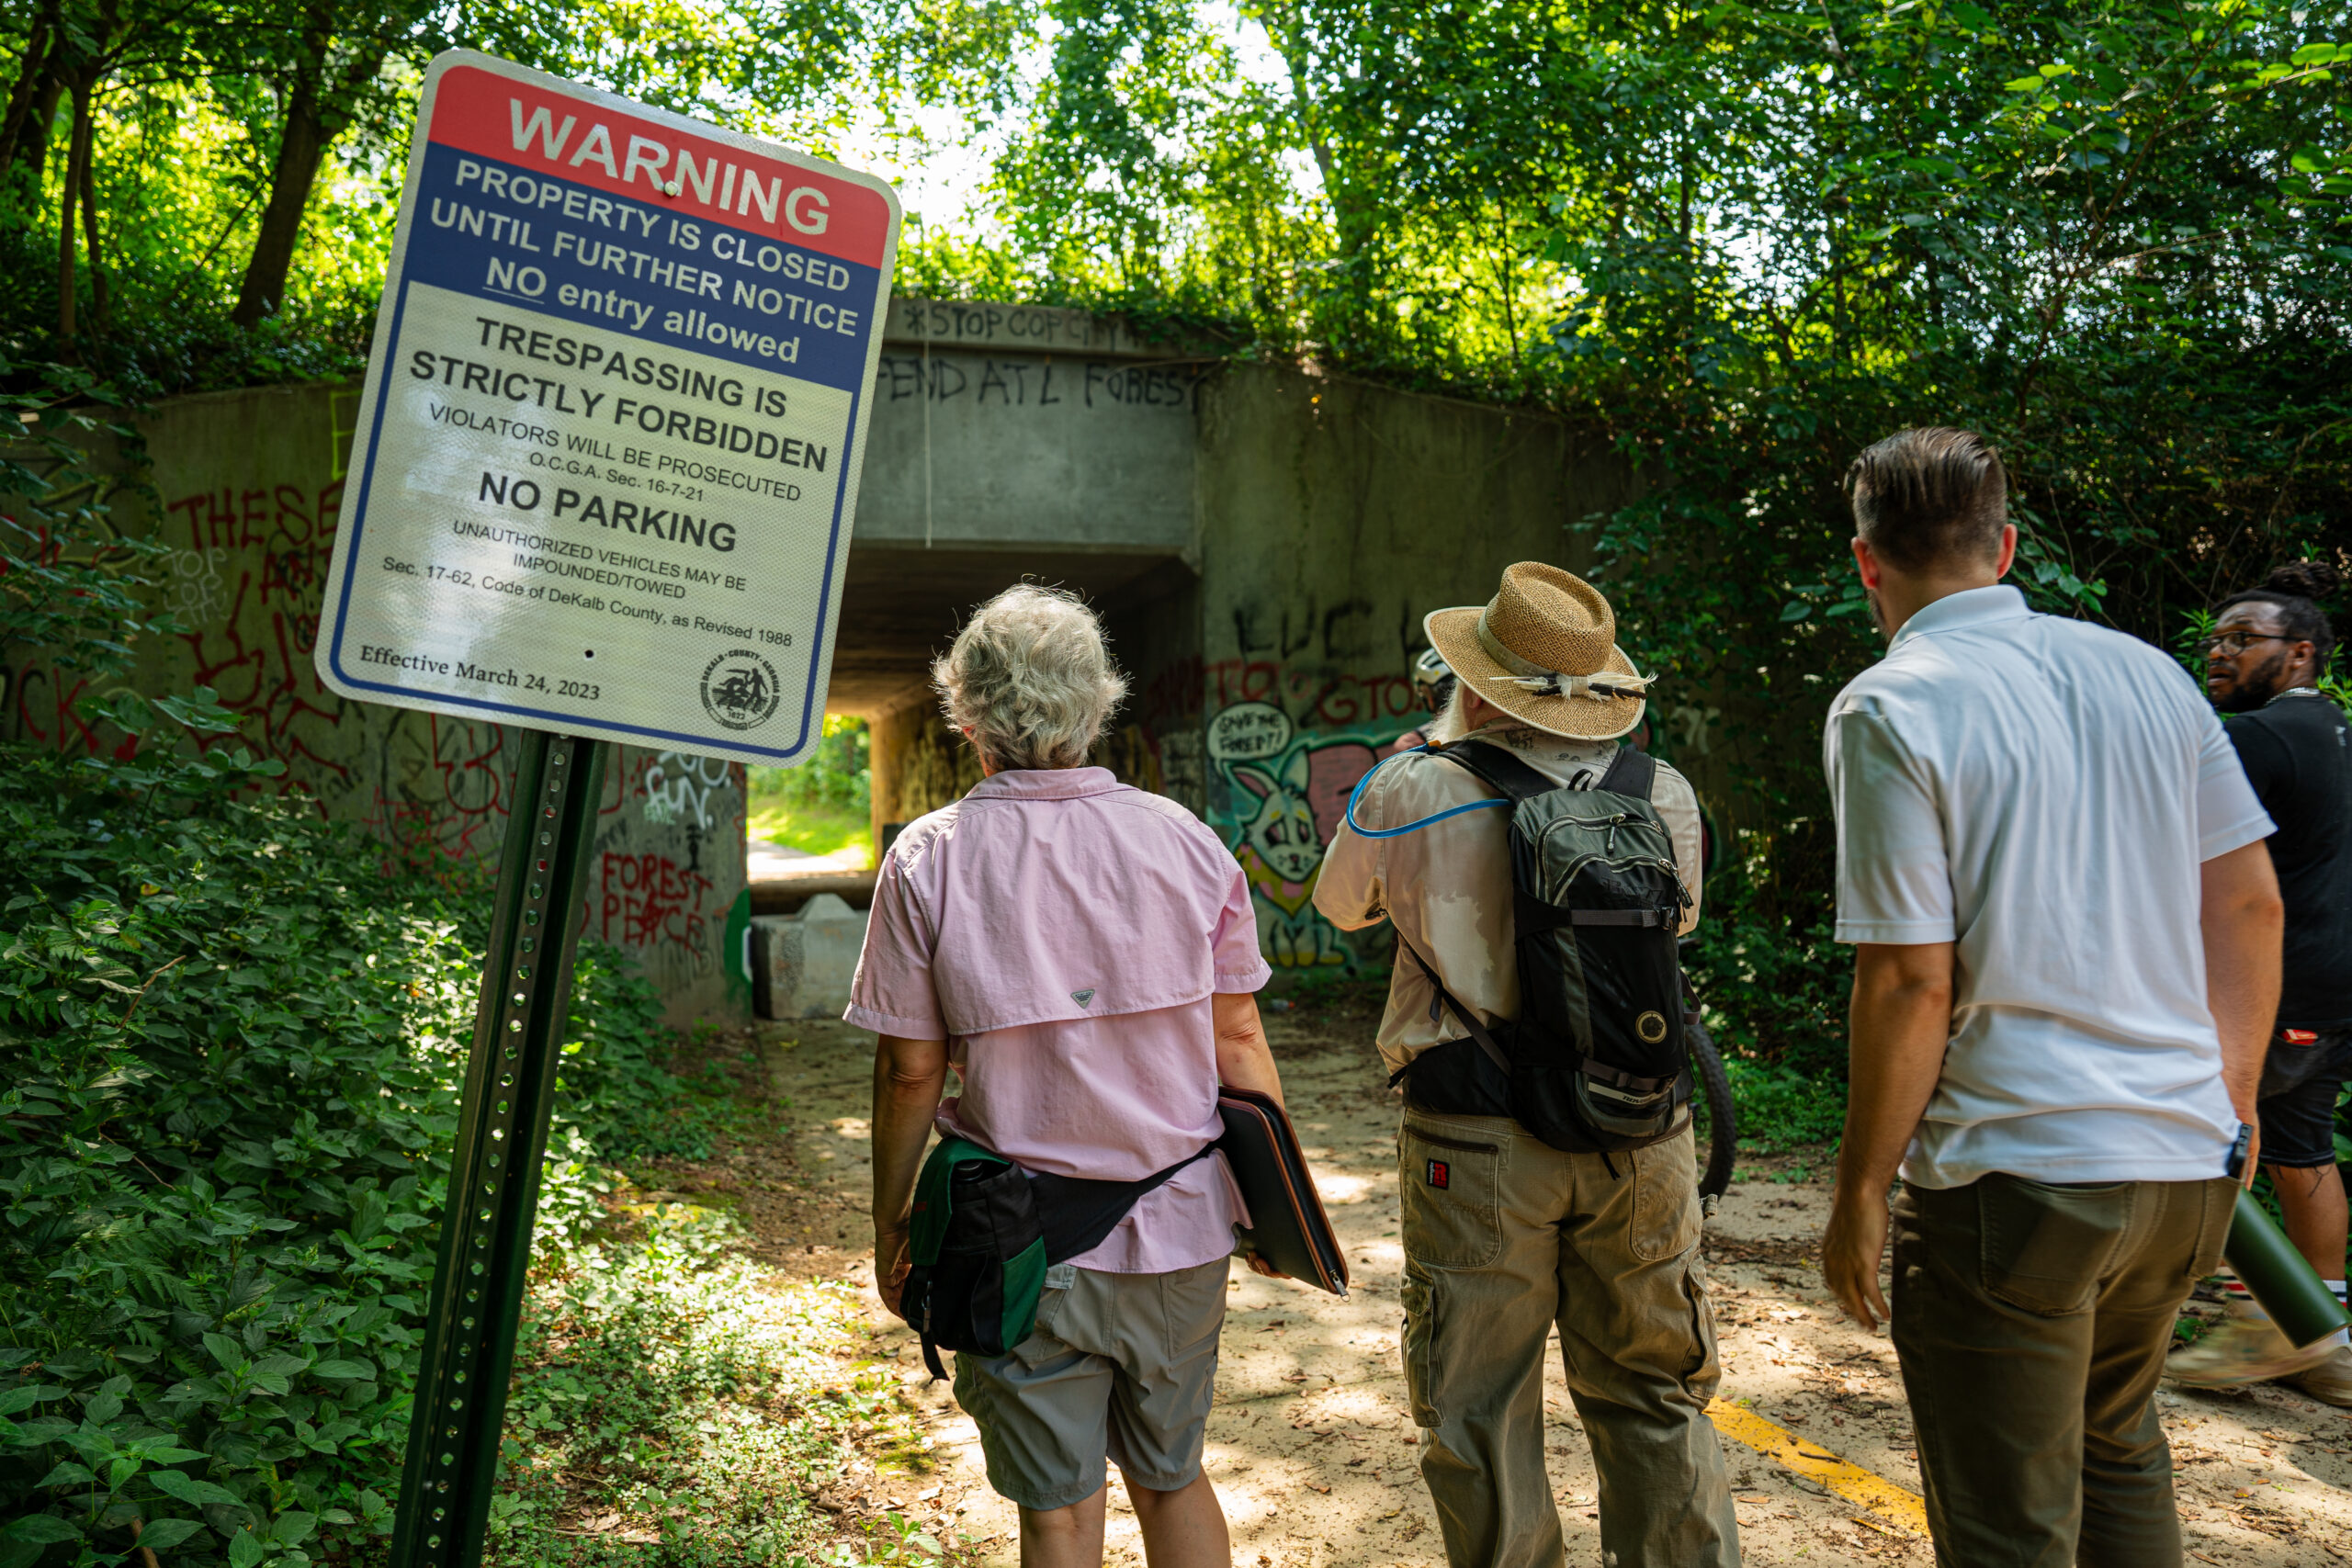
[(1122, 1366)]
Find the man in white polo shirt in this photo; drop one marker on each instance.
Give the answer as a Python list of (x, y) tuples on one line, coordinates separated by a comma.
[(2067, 961)]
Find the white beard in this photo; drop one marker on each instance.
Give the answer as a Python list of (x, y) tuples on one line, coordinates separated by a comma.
[(1449, 726)]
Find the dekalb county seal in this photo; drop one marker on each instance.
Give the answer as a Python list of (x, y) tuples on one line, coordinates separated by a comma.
[(740, 689)]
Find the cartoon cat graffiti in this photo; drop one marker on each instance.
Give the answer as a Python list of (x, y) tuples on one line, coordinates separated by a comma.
[(1280, 837)]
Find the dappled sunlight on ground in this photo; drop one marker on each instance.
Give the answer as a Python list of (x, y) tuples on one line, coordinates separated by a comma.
[(1311, 1445)]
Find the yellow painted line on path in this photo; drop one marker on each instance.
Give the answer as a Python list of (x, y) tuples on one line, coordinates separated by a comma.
[(1896, 1505)]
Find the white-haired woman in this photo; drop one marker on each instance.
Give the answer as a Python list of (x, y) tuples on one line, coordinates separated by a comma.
[(1085, 956)]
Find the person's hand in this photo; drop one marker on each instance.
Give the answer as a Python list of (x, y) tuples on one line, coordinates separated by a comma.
[(1258, 1264), (891, 1263), (2253, 1151), (1851, 1249)]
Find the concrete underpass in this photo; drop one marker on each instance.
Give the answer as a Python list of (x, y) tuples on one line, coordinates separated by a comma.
[(1262, 539)]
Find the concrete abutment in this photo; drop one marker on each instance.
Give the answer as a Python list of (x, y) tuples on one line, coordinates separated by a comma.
[(1261, 540)]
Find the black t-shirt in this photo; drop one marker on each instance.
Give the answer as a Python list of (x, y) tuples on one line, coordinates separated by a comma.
[(2298, 755)]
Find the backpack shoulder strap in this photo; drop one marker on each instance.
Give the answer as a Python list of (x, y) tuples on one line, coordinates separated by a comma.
[(1635, 773), (1502, 772)]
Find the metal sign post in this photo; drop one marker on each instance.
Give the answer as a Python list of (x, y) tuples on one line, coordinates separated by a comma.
[(477, 1300), (602, 482)]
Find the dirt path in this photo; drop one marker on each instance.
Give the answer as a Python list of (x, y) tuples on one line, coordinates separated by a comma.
[(1310, 1444)]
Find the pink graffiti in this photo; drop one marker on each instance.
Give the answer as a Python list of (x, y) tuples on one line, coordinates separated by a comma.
[(1331, 772)]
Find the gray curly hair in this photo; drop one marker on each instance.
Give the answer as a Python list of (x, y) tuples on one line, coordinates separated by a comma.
[(1029, 679)]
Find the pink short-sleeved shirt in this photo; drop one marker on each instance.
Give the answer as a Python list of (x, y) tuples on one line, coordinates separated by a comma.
[(1064, 932)]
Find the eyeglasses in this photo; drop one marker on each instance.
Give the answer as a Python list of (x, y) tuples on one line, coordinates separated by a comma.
[(2232, 644)]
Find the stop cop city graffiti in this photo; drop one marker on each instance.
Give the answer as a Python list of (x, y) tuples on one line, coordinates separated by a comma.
[(1285, 747)]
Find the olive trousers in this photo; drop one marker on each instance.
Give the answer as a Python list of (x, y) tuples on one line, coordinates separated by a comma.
[(2031, 1322), (1506, 1238)]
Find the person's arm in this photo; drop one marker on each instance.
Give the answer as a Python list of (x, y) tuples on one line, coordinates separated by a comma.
[(2243, 925), (1678, 808), (909, 1077), (1895, 903), (1245, 1061), (1243, 1058), (1899, 1022)]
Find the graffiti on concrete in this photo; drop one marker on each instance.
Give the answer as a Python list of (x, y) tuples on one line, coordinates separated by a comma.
[(1279, 774), (1039, 384), (680, 788), (247, 516)]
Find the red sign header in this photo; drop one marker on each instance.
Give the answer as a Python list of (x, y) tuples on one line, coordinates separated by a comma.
[(582, 141)]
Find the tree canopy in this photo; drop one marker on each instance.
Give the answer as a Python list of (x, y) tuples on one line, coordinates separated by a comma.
[(1742, 242)]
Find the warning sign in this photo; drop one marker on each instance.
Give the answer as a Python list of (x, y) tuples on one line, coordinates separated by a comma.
[(608, 449)]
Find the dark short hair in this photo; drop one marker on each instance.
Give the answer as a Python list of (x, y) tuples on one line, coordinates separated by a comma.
[(2294, 591), (1927, 496)]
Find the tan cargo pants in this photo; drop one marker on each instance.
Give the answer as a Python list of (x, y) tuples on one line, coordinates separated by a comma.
[(1506, 1237)]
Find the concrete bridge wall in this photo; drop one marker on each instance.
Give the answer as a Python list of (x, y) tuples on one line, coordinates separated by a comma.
[(1262, 541), (249, 488)]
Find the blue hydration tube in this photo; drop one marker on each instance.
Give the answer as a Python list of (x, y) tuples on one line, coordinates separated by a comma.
[(1357, 793)]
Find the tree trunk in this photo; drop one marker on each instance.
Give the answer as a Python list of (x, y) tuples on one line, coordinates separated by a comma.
[(301, 147), (77, 152), (32, 141), (90, 229), (30, 80)]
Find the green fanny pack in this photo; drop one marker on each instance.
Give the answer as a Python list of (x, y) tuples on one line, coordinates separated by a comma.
[(984, 1233)]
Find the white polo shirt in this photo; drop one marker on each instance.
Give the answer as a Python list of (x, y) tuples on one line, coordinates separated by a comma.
[(2041, 792)]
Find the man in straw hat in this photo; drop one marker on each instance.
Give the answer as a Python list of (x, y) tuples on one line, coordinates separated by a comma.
[(2066, 967), (1506, 1235)]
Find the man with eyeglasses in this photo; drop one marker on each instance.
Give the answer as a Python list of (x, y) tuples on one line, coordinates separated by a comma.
[(2264, 662)]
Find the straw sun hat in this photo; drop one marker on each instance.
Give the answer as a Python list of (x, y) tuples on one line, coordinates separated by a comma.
[(1544, 650)]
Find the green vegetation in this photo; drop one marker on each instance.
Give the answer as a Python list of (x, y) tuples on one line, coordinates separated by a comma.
[(677, 1404), (231, 1037), (1738, 244), (823, 805)]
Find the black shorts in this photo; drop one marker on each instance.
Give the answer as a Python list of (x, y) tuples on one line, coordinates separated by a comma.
[(2299, 1123)]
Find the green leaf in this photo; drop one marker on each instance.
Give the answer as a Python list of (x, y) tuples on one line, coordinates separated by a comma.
[(1795, 609), (2023, 84), (244, 1552), (227, 1351), (200, 710), (24, 1397), (293, 1528), (68, 1473), (189, 1490), (344, 1370), (161, 1535), (46, 1529)]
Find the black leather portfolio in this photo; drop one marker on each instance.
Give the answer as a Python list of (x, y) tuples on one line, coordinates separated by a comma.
[(1290, 1230)]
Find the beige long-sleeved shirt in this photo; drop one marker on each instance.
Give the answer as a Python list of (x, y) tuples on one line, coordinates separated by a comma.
[(1447, 887)]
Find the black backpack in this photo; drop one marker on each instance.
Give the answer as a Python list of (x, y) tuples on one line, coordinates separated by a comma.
[(1596, 1059)]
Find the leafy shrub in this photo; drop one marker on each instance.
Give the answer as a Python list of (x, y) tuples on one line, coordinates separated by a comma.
[(233, 1053), (1771, 983), (231, 1047)]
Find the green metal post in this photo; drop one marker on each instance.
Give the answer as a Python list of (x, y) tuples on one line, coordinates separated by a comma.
[(460, 1408)]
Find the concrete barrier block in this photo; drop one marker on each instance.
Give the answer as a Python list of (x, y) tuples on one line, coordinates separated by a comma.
[(802, 964)]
